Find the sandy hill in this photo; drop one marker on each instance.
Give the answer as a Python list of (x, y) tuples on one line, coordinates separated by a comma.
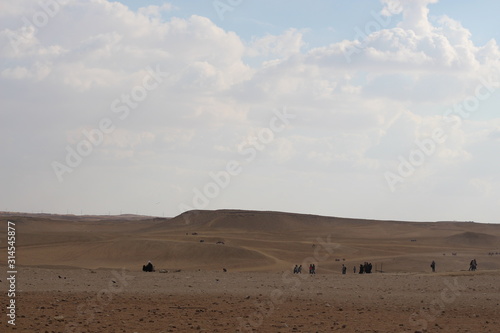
[(473, 239), (249, 240)]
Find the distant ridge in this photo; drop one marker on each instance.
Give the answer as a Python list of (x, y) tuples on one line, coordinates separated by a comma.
[(248, 240), (200, 215), (77, 217), (248, 220), (252, 220)]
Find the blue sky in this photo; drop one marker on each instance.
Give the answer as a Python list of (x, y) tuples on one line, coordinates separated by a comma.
[(327, 21), (157, 107)]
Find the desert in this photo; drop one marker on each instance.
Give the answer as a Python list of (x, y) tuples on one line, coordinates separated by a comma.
[(249, 166), (232, 270)]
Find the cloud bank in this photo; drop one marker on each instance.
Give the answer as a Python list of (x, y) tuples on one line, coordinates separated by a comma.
[(175, 99)]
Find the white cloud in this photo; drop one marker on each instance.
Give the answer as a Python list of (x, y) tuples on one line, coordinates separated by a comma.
[(154, 12), (282, 46), (353, 119)]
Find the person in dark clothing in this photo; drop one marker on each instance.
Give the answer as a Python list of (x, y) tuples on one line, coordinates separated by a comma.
[(368, 267), (361, 269), (433, 266), (148, 267), (473, 265)]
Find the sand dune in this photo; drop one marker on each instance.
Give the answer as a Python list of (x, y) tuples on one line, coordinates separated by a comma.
[(474, 239), (249, 240)]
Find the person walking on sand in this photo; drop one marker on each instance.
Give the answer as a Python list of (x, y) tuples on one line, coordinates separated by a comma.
[(295, 269), (354, 269), (473, 265), (433, 266), (299, 270)]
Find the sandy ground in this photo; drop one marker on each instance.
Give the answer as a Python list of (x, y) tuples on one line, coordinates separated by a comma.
[(105, 300), (82, 274)]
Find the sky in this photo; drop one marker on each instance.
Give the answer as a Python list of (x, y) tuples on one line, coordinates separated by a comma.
[(365, 109)]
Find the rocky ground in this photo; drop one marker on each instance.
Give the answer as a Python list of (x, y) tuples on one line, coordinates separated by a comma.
[(83, 300)]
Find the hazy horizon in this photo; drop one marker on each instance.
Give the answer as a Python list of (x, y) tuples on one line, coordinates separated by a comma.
[(139, 215)]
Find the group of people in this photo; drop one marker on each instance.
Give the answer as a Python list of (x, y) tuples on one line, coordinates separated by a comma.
[(148, 268), (365, 268), (473, 265), (298, 269)]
